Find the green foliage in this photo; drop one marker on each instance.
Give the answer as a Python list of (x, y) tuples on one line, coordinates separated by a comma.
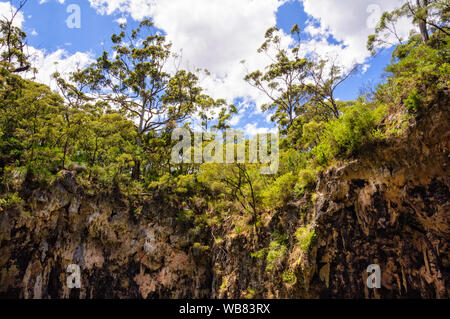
[(10, 200), (358, 126), (306, 181), (305, 237), (414, 102), (418, 75), (224, 116), (275, 254), (279, 191), (48, 135), (312, 133), (295, 84), (260, 254), (12, 44), (430, 16), (240, 183), (292, 161), (182, 185), (30, 134), (289, 277), (185, 216)]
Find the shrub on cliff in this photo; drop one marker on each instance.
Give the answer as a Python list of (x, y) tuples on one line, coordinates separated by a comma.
[(356, 127)]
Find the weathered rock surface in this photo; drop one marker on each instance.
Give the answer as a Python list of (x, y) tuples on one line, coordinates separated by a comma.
[(120, 256), (394, 212)]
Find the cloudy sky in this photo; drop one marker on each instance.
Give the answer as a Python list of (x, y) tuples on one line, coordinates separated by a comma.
[(212, 34)]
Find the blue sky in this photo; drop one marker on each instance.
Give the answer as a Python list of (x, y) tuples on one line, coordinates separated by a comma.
[(212, 34)]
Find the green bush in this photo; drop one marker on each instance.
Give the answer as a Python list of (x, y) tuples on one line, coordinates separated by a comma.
[(275, 255), (312, 133), (182, 185), (418, 74), (341, 137), (291, 161), (279, 191), (414, 101), (289, 277), (305, 237), (10, 200), (260, 254), (185, 216), (276, 252), (306, 180)]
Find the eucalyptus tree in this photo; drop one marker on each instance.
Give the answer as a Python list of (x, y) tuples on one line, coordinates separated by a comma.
[(326, 76), (134, 77), (284, 80), (427, 15), (298, 86), (224, 117), (207, 114), (13, 42)]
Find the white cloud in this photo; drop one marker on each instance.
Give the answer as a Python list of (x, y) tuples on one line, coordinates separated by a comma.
[(211, 34), (59, 61), (350, 22), (236, 119), (47, 63), (253, 129), (122, 20), (217, 34), (138, 9), (7, 11)]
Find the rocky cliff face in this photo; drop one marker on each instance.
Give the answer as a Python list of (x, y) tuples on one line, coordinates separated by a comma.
[(120, 255), (389, 207), (393, 212)]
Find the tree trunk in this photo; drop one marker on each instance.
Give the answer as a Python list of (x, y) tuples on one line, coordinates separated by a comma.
[(423, 22), (424, 31), (136, 174)]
